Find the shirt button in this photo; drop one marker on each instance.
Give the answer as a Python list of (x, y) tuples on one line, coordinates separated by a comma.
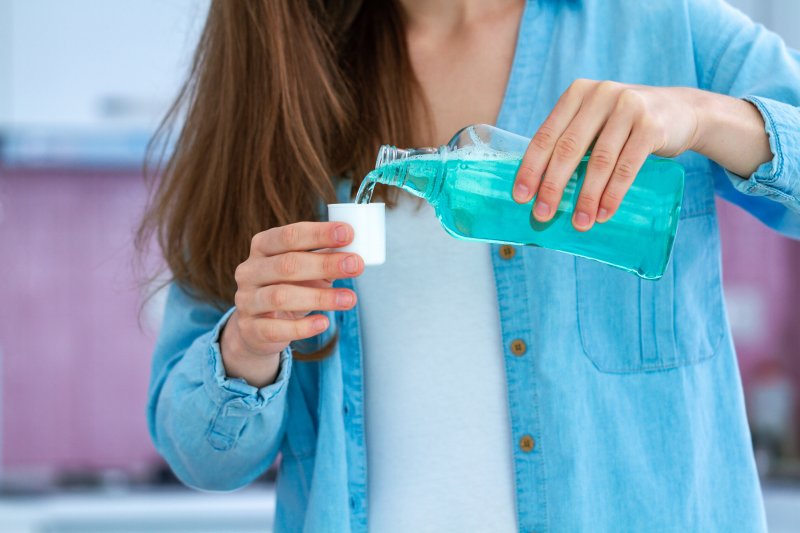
[(518, 347), (507, 252), (526, 443)]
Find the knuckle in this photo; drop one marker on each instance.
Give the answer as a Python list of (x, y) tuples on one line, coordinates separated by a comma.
[(277, 297), (526, 173), (257, 241), (607, 87), (613, 197), (631, 98), (580, 85), (288, 264), (587, 201), (544, 138), (625, 171), (601, 160), (322, 299), (330, 264), (567, 146), (320, 233), (302, 329), (290, 236), (549, 189), (240, 274)]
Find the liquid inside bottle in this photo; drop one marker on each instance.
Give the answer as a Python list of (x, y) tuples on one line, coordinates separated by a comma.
[(469, 183)]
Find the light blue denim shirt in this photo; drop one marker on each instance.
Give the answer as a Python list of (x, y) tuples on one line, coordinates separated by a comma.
[(629, 389)]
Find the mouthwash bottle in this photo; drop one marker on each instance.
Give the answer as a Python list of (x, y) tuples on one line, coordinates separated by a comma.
[(469, 183)]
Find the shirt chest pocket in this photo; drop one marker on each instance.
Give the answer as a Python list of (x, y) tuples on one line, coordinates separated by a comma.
[(632, 325)]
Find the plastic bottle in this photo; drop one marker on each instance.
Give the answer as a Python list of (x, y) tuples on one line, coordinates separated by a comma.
[(469, 183)]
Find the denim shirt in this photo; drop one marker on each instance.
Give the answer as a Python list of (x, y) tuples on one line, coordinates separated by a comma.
[(625, 399)]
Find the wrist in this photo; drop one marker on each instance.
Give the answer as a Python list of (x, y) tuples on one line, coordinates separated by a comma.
[(703, 105), (230, 341), (731, 132), (257, 369)]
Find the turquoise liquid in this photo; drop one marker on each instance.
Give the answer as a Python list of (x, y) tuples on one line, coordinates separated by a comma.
[(472, 199)]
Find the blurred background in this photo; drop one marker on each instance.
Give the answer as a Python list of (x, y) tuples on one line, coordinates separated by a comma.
[(83, 84)]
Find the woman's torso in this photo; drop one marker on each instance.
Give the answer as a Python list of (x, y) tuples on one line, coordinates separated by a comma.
[(624, 397)]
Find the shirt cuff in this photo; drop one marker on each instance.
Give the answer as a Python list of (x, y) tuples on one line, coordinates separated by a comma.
[(778, 178), (223, 389)]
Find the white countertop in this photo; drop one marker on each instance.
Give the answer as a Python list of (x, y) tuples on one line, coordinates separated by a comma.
[(154, 511), (247, 511)]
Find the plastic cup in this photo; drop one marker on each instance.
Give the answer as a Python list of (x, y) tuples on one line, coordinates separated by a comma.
[(369, 229)]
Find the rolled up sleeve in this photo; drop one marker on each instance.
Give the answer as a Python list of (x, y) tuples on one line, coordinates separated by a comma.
[(215, 432), (737, 57), (776, 179)]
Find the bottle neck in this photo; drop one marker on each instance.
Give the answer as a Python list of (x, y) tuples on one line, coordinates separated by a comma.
[(419, 171)]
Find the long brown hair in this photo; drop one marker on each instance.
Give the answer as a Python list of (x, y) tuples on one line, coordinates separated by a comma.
[(282, 96)]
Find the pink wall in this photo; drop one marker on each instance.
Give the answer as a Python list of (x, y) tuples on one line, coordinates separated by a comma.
[(74, 361), (760, 270)]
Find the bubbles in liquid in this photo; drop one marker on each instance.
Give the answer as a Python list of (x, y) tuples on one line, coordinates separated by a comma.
[(475, 137), (481, 153)]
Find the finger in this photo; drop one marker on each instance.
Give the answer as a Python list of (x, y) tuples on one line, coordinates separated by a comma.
[(571, 147), (304, 266), (630, 161), (328, 281), (279, 330), (284, 297), (301, 236), (541, 146), (601, 164)]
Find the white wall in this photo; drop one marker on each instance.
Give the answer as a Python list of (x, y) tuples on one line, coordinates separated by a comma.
[(5, 60), (89, 63)]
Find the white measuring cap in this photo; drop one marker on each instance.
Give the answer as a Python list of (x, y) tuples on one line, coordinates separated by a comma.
[(369, 228)]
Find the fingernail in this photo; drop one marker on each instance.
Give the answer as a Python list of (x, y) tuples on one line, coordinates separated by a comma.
[(582, 219), (320, 324), (541, 209), (521, 192), (340, 233), (602, 214), (344, 299), (350, 265)]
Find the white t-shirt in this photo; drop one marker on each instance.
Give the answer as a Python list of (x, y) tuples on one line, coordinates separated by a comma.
[(439, 448)]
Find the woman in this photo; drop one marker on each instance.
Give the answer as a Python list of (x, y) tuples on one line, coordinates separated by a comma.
[(566, 395)]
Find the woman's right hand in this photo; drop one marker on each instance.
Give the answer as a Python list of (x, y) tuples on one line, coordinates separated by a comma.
[(277, 287)]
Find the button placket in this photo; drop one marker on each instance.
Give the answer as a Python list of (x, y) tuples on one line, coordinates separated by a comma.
[(511, 267), (352, 410)]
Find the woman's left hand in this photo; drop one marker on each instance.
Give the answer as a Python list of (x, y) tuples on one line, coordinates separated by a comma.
[(626, 123)]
